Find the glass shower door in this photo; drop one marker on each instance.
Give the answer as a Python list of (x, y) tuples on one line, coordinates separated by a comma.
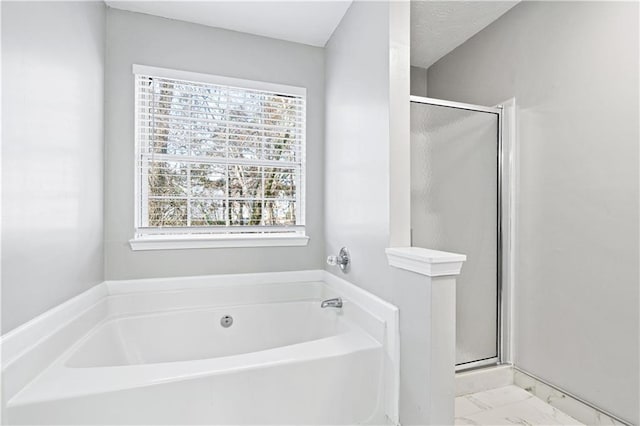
[(454, 207)]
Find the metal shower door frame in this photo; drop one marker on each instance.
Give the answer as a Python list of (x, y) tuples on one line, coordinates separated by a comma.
[(500, 326)]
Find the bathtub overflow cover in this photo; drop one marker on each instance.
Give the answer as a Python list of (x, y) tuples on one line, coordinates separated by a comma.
[(226, 321)]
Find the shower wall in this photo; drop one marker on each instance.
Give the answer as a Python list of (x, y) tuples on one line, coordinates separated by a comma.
[(454, 199), (573, 69)]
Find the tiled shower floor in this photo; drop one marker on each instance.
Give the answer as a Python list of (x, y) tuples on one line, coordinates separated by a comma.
[(509, 405)]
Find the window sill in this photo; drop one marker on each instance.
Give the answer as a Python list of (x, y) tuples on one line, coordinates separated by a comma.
[(218, 241)]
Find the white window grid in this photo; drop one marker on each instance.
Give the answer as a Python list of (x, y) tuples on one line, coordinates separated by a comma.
[(145, 140)]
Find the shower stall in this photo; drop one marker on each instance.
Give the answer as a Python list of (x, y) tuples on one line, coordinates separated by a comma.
[(460, 203)]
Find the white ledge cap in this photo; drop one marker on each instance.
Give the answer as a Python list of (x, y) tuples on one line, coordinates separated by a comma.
[(432, 263)]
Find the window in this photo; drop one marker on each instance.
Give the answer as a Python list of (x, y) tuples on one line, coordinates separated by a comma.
[(219, 161)]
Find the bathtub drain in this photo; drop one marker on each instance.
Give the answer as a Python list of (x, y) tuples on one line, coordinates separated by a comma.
[(226, 321)]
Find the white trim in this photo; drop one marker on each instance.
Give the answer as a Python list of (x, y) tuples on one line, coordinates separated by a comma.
[(509, 217), (180, 242), (432, 263), (301, 193), (452, 104), (117, 287), (218, 79), (204, 232), (471, 365)]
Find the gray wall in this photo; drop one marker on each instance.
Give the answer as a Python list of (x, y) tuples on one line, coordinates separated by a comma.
[(367, 140), (134, 38), (367, 147), (418, 81), (573, 68), (52, 154), (357, 144)]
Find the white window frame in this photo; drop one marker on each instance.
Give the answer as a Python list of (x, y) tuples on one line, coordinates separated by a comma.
[(146, 238)]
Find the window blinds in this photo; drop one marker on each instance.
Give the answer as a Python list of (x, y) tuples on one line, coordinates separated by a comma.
[(218, 158)]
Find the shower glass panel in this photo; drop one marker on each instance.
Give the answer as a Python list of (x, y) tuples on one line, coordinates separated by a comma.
[(454, 207)]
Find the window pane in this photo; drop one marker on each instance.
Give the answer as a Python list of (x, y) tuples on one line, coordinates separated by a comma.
[(167, 212), (247, 213), (167, 178), (279, 212), (279, 183), (208, 180), (245, 142), (245, 182), (208, 213), (208, 140), (216, 155)]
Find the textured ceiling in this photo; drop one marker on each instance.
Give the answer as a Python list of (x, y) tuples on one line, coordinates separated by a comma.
[(438, 27), (308, 22)]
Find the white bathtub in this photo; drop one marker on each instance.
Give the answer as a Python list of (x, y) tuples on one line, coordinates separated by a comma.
[(159, 355), (196, 334)]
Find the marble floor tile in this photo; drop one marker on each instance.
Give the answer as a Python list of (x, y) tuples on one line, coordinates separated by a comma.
[(466, 406), (502, 396), (563, 402), (508, 406)]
